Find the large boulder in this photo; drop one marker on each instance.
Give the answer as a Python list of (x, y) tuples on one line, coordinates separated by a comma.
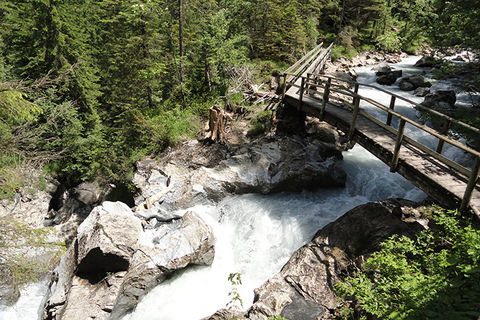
[(421, 92), (448, 96), (386, 75), (388, 78), (413, 82), (442, 101), (271, 164), (190, 241), (107, 239), (304, 288), (427, 62), (113, 263)]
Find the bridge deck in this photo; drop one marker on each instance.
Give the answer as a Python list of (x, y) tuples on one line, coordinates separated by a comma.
[(437, 179)]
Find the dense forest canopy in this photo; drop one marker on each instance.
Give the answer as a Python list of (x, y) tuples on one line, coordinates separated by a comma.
[(89, 86)]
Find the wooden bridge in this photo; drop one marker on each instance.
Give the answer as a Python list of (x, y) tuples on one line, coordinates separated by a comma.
[(339, 103)]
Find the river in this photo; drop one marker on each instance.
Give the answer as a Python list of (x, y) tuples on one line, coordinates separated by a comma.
[(256, 234)]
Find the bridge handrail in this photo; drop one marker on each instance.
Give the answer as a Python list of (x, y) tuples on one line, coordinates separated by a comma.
[(422, 107), (402, 117), (302, 59), (472, 174)]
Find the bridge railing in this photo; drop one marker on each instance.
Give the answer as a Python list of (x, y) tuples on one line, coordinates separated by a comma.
[(346, 93)]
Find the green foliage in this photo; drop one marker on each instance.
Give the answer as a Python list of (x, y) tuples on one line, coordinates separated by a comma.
[(445, 70), (15, 109), (457, 24), (339, 51), (261, 123), (18, 236), (389, 41), (432, 276), (235, 302)]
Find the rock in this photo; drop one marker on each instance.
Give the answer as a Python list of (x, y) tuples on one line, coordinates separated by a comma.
[(413, 82), (107, 239), (225, 314), (304, 288), (382, 69), (442, 101), (460, 58), (433, 98), (158, 214), (421, 92), (270, 164), (406, 86), (60, 284), (176, 246), (418, 81), (113, 264), (427, 62), (388, 78), (9, 292), (90, 193)]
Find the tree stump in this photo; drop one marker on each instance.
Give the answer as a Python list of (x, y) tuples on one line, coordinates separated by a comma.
[(216, 124)]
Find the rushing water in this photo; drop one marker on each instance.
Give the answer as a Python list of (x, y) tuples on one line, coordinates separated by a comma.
[(27, 306), (255, 234)]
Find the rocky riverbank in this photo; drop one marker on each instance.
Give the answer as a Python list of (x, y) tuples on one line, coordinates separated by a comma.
[(137, 248), (304, 288)]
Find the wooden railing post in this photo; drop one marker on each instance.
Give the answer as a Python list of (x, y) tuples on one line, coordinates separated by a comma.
[(355, 97), (284, 89), (472, 182), (356, 108), (302, 89), (392, 107), (396, 152), (444, 131), (326, 94)]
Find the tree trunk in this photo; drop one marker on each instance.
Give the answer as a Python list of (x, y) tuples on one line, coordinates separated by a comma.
[(180, 37), (216, 124)]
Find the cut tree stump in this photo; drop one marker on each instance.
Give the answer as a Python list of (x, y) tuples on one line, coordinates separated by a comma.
[(216, 124)]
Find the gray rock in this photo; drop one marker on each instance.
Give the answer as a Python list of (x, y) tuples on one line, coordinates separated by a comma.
[(427, 62), (268, 165), (421, 92), (413, 82), (158, 213), (448, 96), (91, 193), (177, 246), (406, 86), (382, 69), (109, 269), (107, 239), (388, 78)]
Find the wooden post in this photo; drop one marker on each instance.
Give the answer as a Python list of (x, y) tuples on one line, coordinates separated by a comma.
[(355, 90), (392, 107), (396, 152), (326, 93), (444, 131), (284, 89), (356, 109), (472, 182), (302, 88)]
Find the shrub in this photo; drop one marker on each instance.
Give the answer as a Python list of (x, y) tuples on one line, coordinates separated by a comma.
[(435, 275), (339, 51), (261, 123)]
